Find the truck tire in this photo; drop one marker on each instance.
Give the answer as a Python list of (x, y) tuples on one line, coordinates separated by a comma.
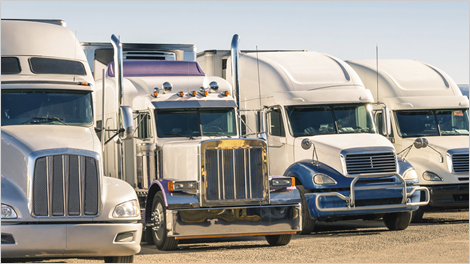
[(397, 221), (278, 240), (417, 216), (308, 223), (120, 259), (159, 231), (148, 236)]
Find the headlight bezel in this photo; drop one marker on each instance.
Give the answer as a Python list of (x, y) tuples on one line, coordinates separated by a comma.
[(133, 205), (7, 208), (431, 176), (410, 175), (319, 179)]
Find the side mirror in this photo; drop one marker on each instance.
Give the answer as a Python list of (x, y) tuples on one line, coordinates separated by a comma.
[(387, 123), (126, 122)]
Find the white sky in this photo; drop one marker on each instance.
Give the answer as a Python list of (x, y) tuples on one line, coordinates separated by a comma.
[(435, 32)]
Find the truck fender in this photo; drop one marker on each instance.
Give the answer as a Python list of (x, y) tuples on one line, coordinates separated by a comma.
[(115, 191), (155, 187), (304, 170), (14, 196)]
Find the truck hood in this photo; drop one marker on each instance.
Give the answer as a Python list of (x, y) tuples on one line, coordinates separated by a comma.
[(20, 142), (426, 159), (330, 147)]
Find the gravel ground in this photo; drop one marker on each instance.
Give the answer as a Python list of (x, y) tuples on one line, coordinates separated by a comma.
[(442, 238)]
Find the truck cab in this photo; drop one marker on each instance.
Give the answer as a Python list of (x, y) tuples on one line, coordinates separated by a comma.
[(426, 106), (320, 130), (195, 176), (55, 201)]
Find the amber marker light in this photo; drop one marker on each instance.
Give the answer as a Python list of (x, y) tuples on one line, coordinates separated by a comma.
[(180, 94), (83, 83), (171, 186), (193, 93), (293, 181), (226, 93), (206, 93)]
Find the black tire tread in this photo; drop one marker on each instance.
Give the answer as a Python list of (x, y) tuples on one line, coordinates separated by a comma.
[(119, 259), (397, 221), (308, 224), (278, 240)]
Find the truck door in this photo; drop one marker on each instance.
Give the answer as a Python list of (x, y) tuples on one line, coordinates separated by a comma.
[(277, 149), (145, 169)]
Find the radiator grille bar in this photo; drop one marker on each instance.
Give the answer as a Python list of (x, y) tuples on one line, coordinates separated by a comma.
[(234, 174), (368, 163), (460, 163), (65, 185)]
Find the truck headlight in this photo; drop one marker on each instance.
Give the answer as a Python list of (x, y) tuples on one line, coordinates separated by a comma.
[(431, 176), (410, 175), (277, 183), (126, 209), (323, 179), (183, 186), (8, 212)]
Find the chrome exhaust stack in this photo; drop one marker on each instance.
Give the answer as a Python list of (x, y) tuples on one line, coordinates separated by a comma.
[(117, 45), (235, 53)]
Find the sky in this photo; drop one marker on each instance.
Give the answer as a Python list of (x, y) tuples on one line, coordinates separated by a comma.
[(435, 32)]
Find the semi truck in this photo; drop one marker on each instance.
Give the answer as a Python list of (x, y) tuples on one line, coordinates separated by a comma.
[(56, 203), (315, 113), (428, 106), (194, 175)]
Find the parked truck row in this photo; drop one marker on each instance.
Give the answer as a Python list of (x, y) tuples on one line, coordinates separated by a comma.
[(105, 144)]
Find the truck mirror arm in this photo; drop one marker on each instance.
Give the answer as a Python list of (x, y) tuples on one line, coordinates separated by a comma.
[(117, 133)]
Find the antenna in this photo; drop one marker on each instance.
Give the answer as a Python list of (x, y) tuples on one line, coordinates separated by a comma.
[(377, 70)]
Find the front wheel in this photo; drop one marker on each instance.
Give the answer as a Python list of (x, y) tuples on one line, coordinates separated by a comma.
[(278, 240), (159, 231), (417, 216), (120, 259), (308, 224), (397, 221)]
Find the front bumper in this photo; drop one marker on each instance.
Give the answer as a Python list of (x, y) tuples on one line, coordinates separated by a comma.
[(329, 205), (234, 221), (69, 240), (454, 196)]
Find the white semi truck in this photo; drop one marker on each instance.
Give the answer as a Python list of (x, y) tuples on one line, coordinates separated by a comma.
[(321, 132), (55, 201), (426, 105), (195, 177)]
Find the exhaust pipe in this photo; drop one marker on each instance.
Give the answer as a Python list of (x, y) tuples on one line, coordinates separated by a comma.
[(117, 45), (235, 53)]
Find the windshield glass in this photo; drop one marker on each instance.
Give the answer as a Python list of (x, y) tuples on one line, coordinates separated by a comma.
[(195, 122), (48, 107), (419, 123), (329, 119)]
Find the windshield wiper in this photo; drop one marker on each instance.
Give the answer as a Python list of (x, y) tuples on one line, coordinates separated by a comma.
[(220, 134), (44, 120), (180, 135)]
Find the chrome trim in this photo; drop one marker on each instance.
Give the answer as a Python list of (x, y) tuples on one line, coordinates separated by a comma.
[(453, 152), (65, 152), (350, 201), (344, 153)]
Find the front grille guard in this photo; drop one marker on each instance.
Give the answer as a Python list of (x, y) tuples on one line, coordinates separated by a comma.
[(351, 199)]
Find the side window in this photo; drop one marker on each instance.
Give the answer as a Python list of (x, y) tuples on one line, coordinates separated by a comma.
[(99, 124), (379, 122), (276, 126), (143, 124), (243, 117)]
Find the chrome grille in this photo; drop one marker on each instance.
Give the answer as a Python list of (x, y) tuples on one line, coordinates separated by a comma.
[(460, 163), (65, 185), (368, 163), (234, 174)]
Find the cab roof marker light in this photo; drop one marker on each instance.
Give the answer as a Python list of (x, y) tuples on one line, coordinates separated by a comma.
[(180, 94), (155, 92), (193, 93), (226, 93)]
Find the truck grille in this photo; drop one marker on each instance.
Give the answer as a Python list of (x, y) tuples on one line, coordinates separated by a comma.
[(460, 163), (65, 185), (234, 174), (368, 163)]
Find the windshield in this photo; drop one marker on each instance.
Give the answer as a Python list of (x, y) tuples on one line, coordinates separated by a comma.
[(329, 119), (419, 123), (195, 122), (47, 107)]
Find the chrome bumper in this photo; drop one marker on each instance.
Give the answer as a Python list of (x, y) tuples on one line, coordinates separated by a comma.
[(350, 200), (235, 221), (69, 240)]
